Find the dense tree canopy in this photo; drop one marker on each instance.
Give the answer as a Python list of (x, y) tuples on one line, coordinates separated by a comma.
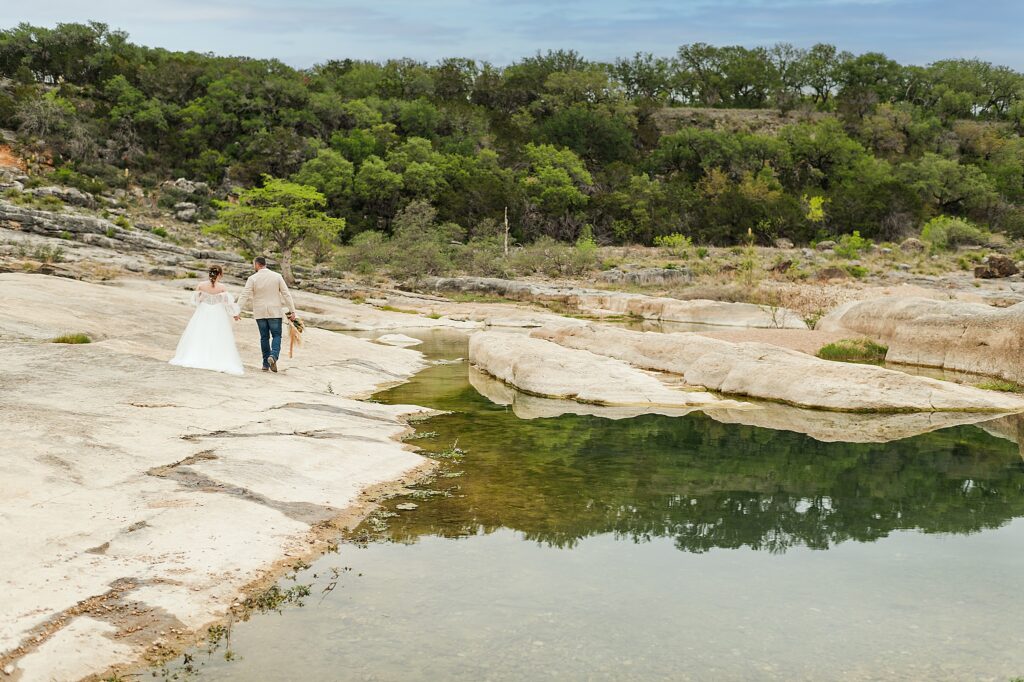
[(625, 151)]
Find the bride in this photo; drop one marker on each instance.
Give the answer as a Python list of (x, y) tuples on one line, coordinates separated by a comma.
[(209, 341)]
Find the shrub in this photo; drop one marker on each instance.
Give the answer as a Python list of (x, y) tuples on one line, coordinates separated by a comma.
[(858, 271), (71, 178), (75, 338), (675, 244), (851, 245), (160, 232), (121, 221), (584, 256), (420, 246), (702, 252), (944, 232), (49, 254), (968, 260), (64, 234), (854, 350), (485, 256), (545, 256), (369, 252), (48, 203)]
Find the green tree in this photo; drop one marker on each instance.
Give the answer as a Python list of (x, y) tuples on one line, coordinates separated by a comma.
[(378, 190), (554, 184), (280, 216), (332, 175)]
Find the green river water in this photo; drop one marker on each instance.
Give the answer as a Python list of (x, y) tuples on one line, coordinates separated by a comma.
[(580, 547)]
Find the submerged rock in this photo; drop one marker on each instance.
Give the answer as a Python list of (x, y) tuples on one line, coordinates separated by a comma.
[(398, 340)]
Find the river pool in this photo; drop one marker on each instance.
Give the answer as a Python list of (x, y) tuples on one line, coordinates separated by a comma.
[(582, 547)]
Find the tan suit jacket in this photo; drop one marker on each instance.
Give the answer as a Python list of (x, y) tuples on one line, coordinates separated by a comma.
[(268, 293)]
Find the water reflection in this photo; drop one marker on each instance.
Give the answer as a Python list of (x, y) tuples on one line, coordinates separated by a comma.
[(696, 479), (936, 600)]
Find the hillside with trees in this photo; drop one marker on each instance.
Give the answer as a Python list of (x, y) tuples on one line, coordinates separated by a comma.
[(718, 144)]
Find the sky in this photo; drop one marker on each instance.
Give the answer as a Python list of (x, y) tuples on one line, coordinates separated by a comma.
[(305, 32)]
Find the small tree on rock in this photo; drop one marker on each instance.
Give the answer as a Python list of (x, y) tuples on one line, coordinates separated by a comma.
[(277, 217)]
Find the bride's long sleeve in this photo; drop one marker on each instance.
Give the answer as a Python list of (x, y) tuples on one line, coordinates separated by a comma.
[(195, 298), (232, 305)]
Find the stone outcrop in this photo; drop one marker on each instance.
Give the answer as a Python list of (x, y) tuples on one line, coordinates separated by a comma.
[(69, 195), (186, 186), (768, 372), (825, 426), (529, 406), (186, 211), (912, 245), (102, 233), (645, 276), (546, 369), (597, 302), (967, 337), (996, 266), (87, 228)]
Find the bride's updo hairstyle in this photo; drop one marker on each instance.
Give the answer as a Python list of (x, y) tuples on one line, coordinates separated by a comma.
[(215, 272)]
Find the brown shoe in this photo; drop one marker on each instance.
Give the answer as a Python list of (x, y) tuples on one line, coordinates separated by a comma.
[(272, 361)]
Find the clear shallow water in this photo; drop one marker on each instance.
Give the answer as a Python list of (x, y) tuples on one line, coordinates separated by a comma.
[(654, 547)]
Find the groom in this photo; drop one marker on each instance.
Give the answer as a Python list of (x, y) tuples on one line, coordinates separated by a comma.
[(268, 293)]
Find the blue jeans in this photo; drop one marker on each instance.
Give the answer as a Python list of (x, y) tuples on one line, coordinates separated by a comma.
[(270, 327)]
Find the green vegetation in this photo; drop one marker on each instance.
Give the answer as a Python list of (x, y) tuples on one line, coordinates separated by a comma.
[(943, 232), (578, 152), (675, 244), (742, 486), (851, 245), (48, 254), (72, 338), (280, 214), (1001, 385), (854, 350)]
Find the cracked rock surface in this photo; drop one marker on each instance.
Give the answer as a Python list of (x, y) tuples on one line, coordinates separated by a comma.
[(139, 498)]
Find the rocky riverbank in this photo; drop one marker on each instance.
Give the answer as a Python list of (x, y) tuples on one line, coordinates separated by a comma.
[(141, 500)]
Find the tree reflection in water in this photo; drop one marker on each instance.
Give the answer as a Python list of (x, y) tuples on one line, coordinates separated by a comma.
[(704, 483)]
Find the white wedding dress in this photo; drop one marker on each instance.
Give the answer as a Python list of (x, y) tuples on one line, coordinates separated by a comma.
[(209, 340)]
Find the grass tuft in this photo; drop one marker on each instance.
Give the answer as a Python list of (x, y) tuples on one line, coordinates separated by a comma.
[(72, 338), (854, 350), (1000, 385)]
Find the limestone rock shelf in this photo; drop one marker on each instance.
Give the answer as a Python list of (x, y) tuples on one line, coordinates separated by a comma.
[(138, 498), (769, 372)]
